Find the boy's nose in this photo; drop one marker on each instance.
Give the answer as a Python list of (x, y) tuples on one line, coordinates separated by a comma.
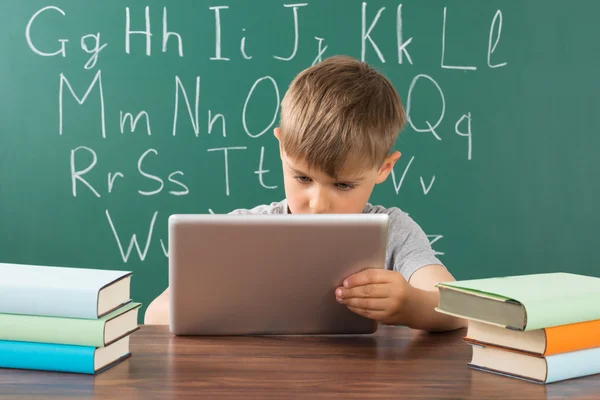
[(319, 204)]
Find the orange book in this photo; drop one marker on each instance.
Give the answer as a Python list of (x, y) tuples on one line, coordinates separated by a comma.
[(542, 342)]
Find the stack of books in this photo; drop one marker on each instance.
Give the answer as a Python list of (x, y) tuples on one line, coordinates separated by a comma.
[(65, 319), (542, 328)]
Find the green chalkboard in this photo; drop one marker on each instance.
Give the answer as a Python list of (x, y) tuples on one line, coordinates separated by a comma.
[(499, 161)]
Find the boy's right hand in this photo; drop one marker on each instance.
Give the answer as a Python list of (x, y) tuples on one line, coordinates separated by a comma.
[(158, 311)]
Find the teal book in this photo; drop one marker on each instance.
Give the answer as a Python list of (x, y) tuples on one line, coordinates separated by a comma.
[(61, 357), (539, 369), (523, 302), (76, 331)]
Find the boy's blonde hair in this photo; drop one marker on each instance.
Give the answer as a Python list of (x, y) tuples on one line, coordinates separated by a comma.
[(340, 111)]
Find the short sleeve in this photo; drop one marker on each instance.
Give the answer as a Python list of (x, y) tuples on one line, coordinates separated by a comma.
[(408, 246)]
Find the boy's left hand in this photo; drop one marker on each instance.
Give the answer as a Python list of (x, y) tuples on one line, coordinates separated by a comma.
[(375, 293)]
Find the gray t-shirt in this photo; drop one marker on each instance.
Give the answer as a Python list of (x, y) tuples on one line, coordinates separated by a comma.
[(408, 247)]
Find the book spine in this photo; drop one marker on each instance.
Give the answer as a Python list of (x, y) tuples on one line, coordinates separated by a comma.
[(49, 301), (546, 312), (47, 357), (572, 337), (69, 331), (573, 365)]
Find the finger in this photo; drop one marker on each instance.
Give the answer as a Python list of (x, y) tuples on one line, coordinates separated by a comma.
[(372, 291), (367, 276), (376, 315), (367, 304)]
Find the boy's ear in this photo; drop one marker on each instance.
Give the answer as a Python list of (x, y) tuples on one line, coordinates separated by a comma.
[(277, 134), (387, 166)]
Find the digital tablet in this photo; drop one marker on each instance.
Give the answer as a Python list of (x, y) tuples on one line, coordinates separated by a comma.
[(269, 274)]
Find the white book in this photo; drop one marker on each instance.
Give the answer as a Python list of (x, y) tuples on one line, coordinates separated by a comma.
[(62, 291)]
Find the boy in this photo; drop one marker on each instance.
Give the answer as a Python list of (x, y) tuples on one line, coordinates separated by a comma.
[(339, 121)]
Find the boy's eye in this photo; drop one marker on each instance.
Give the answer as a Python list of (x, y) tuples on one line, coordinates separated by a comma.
[(345, 186), (303, 179)]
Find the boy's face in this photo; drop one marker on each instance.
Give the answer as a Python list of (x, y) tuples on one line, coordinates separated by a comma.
[(311, 191)]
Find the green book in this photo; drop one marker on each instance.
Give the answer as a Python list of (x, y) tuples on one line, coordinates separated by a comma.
[(523, 302), (72, 331)]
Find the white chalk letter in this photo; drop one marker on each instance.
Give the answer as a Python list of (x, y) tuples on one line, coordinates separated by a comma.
[(62, 51), (167, 34), (399, 185), (76, 175), (277, 100), (218, 33), (366, 34), (111, 180), (262, 171), (295, 10), (467, 116), (153, 177), (133, 122), (194, 116), (491, 49), (429, 127), (432, 240), (428, 188), (178, 183), (164, 248), (63, 80), (225, 149), (133, 241), (401, 44), (320, 51), (212, 120), (91, 63), (243, 47), (129, 32), (466, 68)]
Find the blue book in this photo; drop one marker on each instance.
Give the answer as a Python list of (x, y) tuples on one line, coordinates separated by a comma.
[(535, 368), (62, 291), (62, 358)]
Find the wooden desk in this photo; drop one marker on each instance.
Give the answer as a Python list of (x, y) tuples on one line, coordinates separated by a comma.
[(394, 363)]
